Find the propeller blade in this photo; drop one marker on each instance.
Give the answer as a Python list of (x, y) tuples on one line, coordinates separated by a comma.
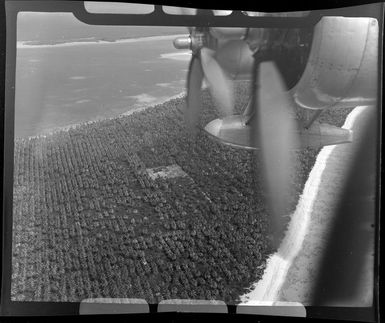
[(194, 101), (220, 86), (276, 134)]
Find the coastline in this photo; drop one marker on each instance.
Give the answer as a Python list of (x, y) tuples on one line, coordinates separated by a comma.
[(111, 217), (23, 44), (97, 181), (290, 271), (137, 109)]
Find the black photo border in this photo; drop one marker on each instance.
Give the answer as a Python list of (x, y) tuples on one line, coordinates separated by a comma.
[(8, 21)]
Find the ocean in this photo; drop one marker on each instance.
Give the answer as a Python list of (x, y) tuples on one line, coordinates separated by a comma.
[(61, 80)]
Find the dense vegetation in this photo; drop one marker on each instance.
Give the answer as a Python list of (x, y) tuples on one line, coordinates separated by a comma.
[(90, 222)]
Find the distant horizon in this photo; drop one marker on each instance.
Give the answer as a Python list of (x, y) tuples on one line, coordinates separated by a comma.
[(51, 27), (91, 41), (68, 72)]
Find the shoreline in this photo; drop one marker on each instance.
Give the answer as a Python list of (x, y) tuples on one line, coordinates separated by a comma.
[(289, 271), (96, 179), (142, 107), (94, 210), (24, 45)]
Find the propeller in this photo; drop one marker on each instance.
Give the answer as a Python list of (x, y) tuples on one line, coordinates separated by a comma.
[(219, 85), (194, 101), (203, 65), (274, 129)]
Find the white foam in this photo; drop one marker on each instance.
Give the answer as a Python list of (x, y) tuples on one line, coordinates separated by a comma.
[(77, 77), (143, 98), (164, 84), (145, 101), (179, 56), (82, 101)]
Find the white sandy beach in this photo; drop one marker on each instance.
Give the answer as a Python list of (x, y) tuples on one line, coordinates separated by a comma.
[(289, 273)]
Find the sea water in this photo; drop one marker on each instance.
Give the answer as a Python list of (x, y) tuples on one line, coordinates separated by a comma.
[(64, 80)]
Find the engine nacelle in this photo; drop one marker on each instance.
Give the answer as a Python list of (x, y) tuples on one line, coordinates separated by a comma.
[(234, 131), (228, 33), (236, 58), (234, 55)]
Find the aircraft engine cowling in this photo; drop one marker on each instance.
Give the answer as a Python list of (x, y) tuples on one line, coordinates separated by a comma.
[(228, 33), (236, 46), (231, 52), (235, 57)]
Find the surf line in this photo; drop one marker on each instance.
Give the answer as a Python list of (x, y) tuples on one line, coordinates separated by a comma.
[(269, 288), (26, 44), (137, 108)]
